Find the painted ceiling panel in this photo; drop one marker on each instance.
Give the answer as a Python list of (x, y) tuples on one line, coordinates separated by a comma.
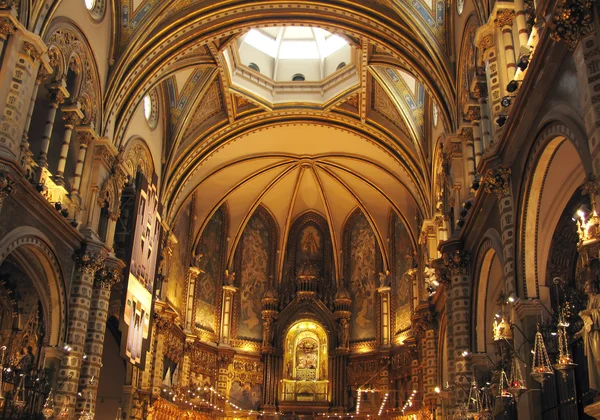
[(308, 196)]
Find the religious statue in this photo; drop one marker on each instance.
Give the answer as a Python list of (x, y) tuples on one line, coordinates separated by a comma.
[(229, 278), (591, 330), (383, 278), (343, 333)]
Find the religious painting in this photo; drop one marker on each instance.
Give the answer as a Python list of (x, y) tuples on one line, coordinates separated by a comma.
[(254, 263), (178, 260), (246, 396), (310, 245), (140, 279), (403, 260), (210, 254), (363, 277)]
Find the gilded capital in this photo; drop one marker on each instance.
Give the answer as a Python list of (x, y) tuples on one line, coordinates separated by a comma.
[(29, 48), (504, 17), (473, 114), (7, 27), (71, 119), (571, 21), (467, 134), (497, 181), (105, 278), (89, 262), (457, 262), (7, 187)]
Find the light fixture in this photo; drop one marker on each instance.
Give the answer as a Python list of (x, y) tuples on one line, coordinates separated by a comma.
[(512, 86), (523, 62), (501, 120), (505, 102)]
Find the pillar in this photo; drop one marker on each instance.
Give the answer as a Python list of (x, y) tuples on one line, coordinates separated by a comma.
[(25, 152), (87, 263), (85, 138), (521, 21), (104, 279), (57, 95), (227, 314), (504, 21), (71, 116), (386, 317), (480, 93), (458, 305), (22, 54), (469, 154)]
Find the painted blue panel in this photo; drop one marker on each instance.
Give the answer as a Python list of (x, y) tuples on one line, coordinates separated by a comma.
[(423, 12), (420, 95), (172, 96), (140, 15), (411, 103), (125, 16), (392, 74), (440, 13)]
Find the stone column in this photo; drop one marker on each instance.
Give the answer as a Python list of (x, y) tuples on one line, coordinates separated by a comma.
[(25, 151), (104, 279), (504, 21), (469, 139), (339, 360), (473, 115), (459, 302), (386, 317), (85, 136), (224, 359), (71, 116), (521, 23), (498, 182), (22, 54), (194, 272), (87, 263), (587, 62), (227, 314), (57, 95), (269, 314), (480, 93)]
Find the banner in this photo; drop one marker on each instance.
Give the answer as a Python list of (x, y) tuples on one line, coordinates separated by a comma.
[(135, 323)]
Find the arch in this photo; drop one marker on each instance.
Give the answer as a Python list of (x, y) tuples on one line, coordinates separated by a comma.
[(33, 246), (200, 26), (554, 160), (65, 36), (488, 269), (305, 310), (136, 154), (468, 63)]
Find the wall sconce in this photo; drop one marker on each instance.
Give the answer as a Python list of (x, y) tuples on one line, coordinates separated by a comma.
[(523, 62), (513, 85), (505, 102)]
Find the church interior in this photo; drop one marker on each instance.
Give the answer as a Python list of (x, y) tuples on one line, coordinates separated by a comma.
[(287, 209)]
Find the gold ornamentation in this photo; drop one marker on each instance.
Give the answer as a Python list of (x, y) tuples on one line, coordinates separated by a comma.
[(504, 17), (105, 278), (467, 134), (486, 42), (202, 361), (71, 119), (571, 21), (89, 262), (246, 371), (473, 114), (7, 27), (8, 4), (30, 49), (457, 262), (497, 181), (7, 187)]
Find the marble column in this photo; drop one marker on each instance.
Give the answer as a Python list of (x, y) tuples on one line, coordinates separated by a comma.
[(72, 115), (227, 314), (57, 94), (386, 317), (504, 21), (87, 263), (25, 151), (85, 138), (104, 279)]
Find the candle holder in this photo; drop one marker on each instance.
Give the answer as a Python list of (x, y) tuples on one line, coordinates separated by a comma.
[(541, 368), (516, 383), (48, 410)]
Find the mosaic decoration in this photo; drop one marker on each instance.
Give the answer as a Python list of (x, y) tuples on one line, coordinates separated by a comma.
[(254, 273), (363, 277), (403, 256), (434, 20), (208, 284), (177, 274)]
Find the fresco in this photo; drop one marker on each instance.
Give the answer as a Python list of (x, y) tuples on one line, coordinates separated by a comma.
[(363, 280), (209, 281), (253, 279), (177, 264), (246, 396), (403, 254)]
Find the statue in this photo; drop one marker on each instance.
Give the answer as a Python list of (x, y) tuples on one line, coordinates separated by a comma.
[(229, 278), (590, 333), (343, 333), (383, 278)]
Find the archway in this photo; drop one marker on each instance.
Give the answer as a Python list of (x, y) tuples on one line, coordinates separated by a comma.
[(305, 363)]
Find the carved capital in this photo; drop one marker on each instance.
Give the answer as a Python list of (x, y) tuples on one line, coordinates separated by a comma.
[(457, 262), (504, 17), (467, 134), (9, 4), (41, 75), (473, 114), (497, 181), (7, 187), (480, 91), (85, 138), (31, 50), (7, 28), (486, 42), (571, 21), (56, 98), (591, 187), (71, 119), (89, 262), (105, 278)]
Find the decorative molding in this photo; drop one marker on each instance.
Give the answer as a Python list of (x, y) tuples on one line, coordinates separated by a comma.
[(497, 181), (504, 17), (571, 21), (7, 187), (457, 262), (89, 262)]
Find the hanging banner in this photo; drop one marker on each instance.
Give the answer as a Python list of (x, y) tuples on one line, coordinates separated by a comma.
[(135, 323)]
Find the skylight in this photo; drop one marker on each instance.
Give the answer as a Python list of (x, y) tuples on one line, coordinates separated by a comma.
[(296, 43)]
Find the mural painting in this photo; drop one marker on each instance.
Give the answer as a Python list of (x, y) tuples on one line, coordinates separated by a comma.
[(363, 280), (211, 249), (253, 279), (403, 257), (177, 261), (246, 396)]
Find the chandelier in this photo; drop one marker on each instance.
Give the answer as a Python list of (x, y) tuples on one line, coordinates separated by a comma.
[(541, 368)]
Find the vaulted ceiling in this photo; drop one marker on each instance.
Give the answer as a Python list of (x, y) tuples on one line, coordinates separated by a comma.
[(366, 145)]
